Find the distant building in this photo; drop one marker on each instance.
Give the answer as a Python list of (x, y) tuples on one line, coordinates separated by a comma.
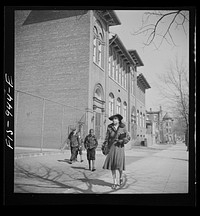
[(159, 128), (142, 86), (155, 123), (168, 134)]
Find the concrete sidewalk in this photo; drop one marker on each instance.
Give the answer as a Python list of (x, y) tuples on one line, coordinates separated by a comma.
[(163, 172)]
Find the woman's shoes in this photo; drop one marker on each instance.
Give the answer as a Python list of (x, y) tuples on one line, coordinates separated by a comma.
[(93, 169), (120, 181), (114, 186)]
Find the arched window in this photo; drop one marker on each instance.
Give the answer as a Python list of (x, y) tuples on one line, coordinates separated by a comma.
[(111, 104), (118, 106), (98, 94), (125, 111), (95, 31), (100, 52), (98, 44)]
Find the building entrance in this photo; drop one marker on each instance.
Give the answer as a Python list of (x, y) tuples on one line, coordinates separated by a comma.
[(98, 125), (98, 109)]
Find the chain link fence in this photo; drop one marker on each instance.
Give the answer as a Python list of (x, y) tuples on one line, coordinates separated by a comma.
[(43, 123)]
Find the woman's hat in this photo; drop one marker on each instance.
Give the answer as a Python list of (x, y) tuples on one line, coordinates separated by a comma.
[(116, 116)]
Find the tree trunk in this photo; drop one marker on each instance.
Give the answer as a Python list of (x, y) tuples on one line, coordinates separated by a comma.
[(187, 137)]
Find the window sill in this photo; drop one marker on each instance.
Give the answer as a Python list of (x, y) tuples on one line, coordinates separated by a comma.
[(117, 83), (98, 66)]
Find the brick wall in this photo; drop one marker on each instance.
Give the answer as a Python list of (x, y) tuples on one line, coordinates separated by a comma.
[(52, 62)]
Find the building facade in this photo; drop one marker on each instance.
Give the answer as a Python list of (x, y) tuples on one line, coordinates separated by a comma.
[(142, 85), (155, 123), (69, 71), (159, 127), (168, 134)]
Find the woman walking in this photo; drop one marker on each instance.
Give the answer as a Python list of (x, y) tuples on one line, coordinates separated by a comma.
[(116, 136), (91, 145)]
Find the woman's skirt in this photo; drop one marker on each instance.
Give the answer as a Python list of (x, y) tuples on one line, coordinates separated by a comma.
[(115, 158)]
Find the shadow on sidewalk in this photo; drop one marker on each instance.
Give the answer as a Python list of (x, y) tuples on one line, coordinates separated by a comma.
[(74, 167), (65, 160), (96, 182), (52, 178)]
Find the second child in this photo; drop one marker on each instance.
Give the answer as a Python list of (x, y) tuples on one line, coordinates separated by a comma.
[(91, 144)]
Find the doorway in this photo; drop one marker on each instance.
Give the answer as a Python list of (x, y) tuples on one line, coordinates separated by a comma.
[(98, 109)]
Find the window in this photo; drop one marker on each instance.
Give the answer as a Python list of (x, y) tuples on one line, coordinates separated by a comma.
[(110, 62), (111, 104), (98, 125), (123, 74), (140, 119), (132, 84), (118, 106), (113, 65), (98, 94), (98, 45), (95, 44), (99, 53), (143, 120), (125, 111), (137, 119), (132, 80), (117, 67), (120, 72)]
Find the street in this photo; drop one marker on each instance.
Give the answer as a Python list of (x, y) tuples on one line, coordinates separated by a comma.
[(156, 169)]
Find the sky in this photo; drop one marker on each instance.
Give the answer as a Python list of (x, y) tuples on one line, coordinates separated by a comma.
[(155, 61)]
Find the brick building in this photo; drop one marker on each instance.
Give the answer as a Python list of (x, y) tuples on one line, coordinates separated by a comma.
[(159, 127), (69, 71), (154, 120), (142, 85), (169, 135)]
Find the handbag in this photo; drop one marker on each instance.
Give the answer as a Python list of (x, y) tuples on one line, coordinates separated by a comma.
[(105, 150)]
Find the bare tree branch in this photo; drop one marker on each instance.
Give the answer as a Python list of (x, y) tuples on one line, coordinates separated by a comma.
[(151, 29), (174, 87)]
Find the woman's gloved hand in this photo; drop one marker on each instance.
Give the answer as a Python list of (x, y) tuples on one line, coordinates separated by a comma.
[(119, 142)]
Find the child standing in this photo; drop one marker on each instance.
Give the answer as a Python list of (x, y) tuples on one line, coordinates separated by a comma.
[(91, 145), (74, 144), (80, 147)]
